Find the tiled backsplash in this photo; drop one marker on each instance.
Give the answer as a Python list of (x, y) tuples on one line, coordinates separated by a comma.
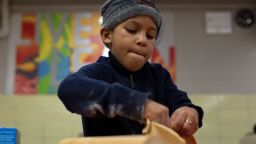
[(228, 118), (44, 119)]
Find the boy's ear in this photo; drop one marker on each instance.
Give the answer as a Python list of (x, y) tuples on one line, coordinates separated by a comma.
[(106, 35)]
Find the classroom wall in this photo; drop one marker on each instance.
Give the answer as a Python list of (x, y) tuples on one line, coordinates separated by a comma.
[(214, 63), (39, 119), (44, 119), (210, 68), (204, 63), (3, 63)]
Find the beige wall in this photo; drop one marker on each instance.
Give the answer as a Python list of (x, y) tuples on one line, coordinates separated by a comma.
[(228, 118), (44, 120), (40, 119)]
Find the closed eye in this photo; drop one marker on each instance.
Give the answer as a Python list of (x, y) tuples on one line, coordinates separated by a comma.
[(150, 36), (131, 31)]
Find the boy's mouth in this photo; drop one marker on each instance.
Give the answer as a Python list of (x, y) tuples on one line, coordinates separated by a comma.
[(138, 53)]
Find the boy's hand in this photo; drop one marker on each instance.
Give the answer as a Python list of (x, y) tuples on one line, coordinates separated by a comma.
[(156, 112), (184, 121)]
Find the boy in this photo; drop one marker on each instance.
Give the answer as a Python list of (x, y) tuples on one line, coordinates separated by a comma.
[(118, 93)]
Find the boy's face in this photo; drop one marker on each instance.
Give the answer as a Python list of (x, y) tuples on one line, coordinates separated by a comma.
[(132, 41)]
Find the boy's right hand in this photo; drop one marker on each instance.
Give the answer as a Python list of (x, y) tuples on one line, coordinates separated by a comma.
[(156, 112)]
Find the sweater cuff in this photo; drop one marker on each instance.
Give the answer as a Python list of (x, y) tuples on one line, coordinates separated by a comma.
[(200, 113), (135, 105)]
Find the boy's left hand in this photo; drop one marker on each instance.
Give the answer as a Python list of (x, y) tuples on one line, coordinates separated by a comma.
[(185, 121)]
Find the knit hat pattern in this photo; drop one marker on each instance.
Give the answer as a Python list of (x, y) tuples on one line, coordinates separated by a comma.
[(116, 11)]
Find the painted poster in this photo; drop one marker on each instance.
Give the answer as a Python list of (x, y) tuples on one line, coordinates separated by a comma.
[(169, 65), (26, 77), (51, 46)]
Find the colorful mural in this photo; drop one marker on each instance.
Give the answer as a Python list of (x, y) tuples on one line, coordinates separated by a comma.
[(170, 66), (26, 77), (51, 46)]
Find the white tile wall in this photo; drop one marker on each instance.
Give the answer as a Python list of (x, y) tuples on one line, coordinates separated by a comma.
[(44, 120)]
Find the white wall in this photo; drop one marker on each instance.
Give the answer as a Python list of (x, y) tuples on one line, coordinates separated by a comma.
[(214, 63)]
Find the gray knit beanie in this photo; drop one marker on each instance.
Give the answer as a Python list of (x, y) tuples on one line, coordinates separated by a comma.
[(116, 11)]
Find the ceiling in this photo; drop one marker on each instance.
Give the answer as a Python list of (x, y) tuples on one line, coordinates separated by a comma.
[(97, 2)]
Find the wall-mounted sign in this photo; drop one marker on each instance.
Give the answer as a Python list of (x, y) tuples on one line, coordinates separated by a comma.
[(218, 22)]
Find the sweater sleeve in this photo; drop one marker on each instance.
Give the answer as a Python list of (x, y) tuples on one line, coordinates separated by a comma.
[(177, 98), (84, 94)]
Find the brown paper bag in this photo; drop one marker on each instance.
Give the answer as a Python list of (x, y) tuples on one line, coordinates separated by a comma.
[(153, 133)]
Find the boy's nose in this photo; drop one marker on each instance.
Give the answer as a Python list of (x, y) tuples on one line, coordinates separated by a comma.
[(142, 39)]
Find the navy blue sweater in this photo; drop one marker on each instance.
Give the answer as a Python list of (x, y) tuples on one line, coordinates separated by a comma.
[(111, 99)]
